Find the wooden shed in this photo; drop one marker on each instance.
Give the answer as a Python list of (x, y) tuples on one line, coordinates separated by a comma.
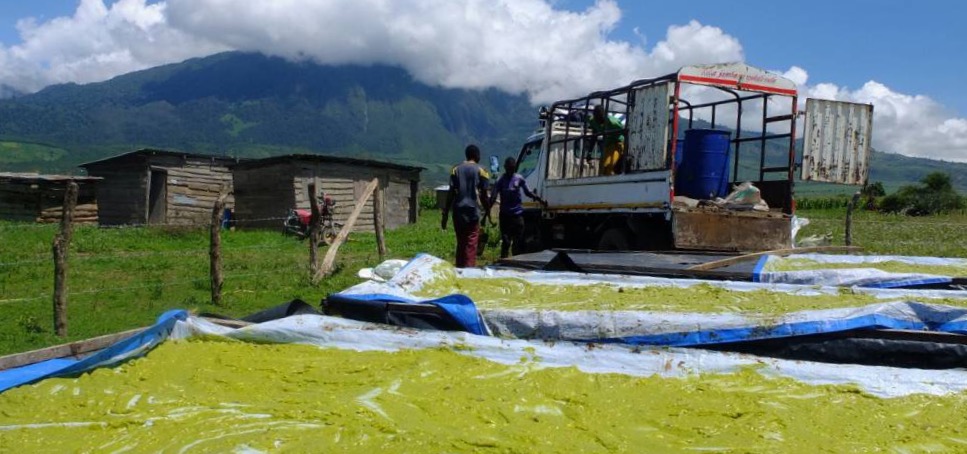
[(32, 197), (160, 187), (268, 188)]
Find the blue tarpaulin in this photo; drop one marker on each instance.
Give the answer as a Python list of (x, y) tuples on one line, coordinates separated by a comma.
[(132, 347)]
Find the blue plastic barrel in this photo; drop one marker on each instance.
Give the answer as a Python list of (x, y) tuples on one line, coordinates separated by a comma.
[(679, 151), (704, 169)]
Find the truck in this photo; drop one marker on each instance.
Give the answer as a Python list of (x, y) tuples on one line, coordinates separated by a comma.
[(666, 124)]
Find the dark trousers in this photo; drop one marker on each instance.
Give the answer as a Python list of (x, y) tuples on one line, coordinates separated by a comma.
[(511, 234), (467, 234)]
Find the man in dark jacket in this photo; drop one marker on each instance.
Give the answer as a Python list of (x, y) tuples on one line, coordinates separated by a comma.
[(467, 195)]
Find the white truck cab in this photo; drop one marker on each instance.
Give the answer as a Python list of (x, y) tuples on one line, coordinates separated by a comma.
[(677, 156)]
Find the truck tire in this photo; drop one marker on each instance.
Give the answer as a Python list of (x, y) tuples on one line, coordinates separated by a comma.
[(615, 239)]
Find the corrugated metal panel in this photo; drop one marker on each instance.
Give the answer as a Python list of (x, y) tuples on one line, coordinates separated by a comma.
[(648, 128), (836, 144)]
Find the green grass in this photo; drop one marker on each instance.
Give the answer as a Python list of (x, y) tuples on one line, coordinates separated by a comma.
[(12, 152), (124, 278), (939, 235)]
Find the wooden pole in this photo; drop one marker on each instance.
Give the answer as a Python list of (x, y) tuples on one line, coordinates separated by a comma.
[(849, 218), (378, 223), (61, 246), (780, 252), (315, 230), (215, 249), (327, 262)]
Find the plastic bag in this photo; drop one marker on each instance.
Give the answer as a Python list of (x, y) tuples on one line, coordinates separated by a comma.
[(744, 194), (384, 271)]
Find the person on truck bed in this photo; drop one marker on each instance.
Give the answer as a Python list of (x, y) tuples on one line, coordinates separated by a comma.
[(613, 146), (468, 193), (508, 188)]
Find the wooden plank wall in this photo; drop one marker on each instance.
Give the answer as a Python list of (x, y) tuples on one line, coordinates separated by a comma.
[(18, 202), (192, 191), (345, 183), (31, 201), (52, 204), (261, 193), (121, 195)]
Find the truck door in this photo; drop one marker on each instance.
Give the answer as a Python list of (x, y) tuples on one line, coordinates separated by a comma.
[(528, 163), (836, 141)]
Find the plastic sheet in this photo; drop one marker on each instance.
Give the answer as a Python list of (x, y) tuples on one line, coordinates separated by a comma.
[(902, 309), (131, 347), (332, 332), (854, 270), (668, 362)]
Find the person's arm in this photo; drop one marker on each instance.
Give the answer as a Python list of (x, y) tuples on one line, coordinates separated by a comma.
[(450, 197), (482, 192), (528, 193)]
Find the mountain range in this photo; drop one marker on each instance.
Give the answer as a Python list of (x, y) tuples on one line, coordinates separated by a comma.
[(251, 105)]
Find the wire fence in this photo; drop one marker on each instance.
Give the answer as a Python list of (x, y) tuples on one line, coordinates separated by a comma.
[(180, 283), (46, 261), (54, 225)]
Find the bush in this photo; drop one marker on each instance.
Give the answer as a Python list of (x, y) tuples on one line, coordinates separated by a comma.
[(822, 203), (427, 200), (934, 195)]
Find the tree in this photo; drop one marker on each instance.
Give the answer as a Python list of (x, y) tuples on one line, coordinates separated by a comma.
[(870, 192), (934, 195)]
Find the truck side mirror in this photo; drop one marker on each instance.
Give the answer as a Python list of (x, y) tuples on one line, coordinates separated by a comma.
[(494, 165)]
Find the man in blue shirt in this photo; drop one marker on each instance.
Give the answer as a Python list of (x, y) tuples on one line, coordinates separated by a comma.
[(508, 188), (467, 195)]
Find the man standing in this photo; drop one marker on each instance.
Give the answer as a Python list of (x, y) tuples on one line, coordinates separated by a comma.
[(609, 130), (508, 188), (467, 195)]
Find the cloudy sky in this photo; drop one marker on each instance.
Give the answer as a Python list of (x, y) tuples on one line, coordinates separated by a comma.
[(902, 56)]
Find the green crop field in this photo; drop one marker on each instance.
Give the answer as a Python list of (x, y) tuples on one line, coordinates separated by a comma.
[(123, 278)]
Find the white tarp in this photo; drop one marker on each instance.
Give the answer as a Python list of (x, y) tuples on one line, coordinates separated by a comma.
[(345, 334), (861, 271)]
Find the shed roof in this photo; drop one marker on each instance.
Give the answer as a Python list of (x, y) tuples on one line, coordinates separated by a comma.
[(37, 178), (155, 152), (256, 163)]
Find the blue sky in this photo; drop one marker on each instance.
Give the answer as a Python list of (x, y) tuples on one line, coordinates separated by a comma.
[(912, 47), (904, 57)]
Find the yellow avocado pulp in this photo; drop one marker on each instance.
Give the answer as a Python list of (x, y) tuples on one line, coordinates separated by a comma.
[(891, 266), (211, 396), (513, 293)]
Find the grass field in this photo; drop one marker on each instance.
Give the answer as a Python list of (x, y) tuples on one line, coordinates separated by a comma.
[(124, 278)]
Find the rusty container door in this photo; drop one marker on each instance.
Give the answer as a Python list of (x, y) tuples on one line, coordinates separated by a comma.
[(648, 128), (836, 142)]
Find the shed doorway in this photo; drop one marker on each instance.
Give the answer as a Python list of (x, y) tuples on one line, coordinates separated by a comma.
[(157, 197)]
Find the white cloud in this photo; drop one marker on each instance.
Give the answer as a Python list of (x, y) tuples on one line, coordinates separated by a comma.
[(912, 125), (519, 46), (96, 43)]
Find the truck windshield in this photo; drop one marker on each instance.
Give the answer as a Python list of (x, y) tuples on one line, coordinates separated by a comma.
[(527, 161)]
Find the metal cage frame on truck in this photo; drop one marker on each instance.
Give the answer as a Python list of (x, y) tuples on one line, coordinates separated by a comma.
[(639, 197)]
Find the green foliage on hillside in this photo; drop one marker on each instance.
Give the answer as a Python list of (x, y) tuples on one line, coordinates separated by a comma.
[(249, 105)]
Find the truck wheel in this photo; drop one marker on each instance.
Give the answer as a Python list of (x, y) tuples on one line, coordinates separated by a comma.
[(615, 239)]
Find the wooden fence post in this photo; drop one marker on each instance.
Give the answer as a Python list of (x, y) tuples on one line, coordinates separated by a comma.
[(62, 242), (849, 218), (327, 262), (315, 230), (215, 249), (378, 222)]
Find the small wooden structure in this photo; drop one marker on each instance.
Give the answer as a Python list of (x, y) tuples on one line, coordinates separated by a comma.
[(160, 187), (32, 197), (268, 188)]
